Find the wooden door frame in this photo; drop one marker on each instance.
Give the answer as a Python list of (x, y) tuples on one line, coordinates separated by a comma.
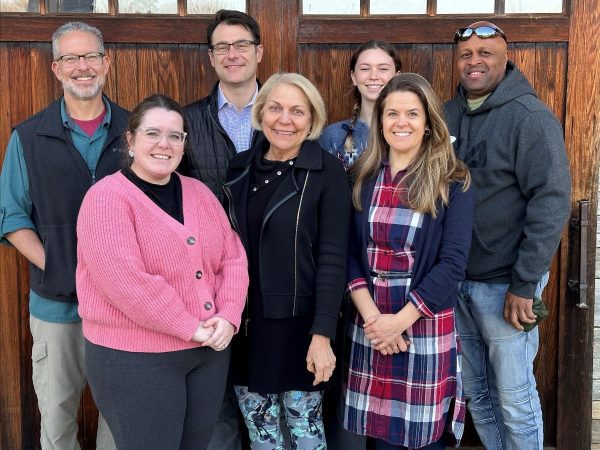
[(285, 29), (582, 136)]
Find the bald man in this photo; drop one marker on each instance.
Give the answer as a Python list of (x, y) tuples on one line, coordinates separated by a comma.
[(514, 148)]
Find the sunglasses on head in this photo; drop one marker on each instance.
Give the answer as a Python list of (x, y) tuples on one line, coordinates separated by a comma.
[(482, 32)]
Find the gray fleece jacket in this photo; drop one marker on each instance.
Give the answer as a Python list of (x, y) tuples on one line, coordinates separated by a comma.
[(514, 148)]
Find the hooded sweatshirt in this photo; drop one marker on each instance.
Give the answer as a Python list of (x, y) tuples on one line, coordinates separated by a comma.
[(514, 148)]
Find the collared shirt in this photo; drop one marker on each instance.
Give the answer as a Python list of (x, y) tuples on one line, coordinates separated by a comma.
[(237, 124), (16, 206)]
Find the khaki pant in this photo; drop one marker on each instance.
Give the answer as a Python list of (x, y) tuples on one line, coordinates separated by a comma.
[(59, 378)]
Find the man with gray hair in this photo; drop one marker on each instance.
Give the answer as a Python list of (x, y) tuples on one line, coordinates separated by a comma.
[(51, 160)]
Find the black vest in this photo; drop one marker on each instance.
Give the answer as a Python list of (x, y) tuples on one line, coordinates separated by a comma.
[(58, 180)]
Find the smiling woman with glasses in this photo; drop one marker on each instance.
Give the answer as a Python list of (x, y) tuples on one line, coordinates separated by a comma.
[(161, 283)]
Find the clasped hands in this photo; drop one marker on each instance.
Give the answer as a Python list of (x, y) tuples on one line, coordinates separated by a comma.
[(385, 333), (216, 333)]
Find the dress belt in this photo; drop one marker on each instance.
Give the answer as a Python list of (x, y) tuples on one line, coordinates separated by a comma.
[(390, 275)]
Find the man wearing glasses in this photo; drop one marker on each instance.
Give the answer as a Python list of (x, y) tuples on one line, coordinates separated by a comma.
[(515, 151), (219, 127), (220, 123), (51, 161)]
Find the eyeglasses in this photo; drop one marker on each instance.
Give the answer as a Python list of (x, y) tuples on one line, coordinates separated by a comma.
[(154, 136), (93, 59), (242, 46), (483, 32)]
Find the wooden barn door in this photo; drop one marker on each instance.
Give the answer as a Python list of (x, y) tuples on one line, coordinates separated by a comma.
[(558, 54)]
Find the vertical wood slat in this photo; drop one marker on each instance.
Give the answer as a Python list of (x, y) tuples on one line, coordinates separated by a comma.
[(197, 75), (549, 79), (168, 71), (10, 371), (582, 135), (126, 76)]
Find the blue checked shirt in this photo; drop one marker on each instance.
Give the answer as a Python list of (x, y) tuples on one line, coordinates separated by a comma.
[(238, 125)]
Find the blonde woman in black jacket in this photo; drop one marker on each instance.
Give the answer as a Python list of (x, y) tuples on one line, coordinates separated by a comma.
[(290, 202)]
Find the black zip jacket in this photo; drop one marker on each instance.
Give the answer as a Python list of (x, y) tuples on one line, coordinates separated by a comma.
[(304, 235), (209, 147)]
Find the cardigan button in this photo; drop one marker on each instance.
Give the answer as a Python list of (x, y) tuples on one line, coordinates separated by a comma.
[(208, 306), (199, 274), (191, 240)]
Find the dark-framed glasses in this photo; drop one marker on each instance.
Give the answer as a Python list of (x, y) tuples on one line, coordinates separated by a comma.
[(482, 32), (241, 46), (154, 136), (92, 59)]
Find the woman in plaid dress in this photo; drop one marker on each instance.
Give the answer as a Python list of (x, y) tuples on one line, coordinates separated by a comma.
[(410, 241)]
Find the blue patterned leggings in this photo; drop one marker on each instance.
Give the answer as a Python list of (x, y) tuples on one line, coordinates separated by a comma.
[(303, 415)]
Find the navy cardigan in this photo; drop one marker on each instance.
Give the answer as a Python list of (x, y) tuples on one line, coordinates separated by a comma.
[(442, 248)]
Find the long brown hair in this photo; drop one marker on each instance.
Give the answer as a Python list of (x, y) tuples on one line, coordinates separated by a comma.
[(369, 45), (429, 176)]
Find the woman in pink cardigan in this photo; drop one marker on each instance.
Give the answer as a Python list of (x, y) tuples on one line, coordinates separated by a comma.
[(161, 281)]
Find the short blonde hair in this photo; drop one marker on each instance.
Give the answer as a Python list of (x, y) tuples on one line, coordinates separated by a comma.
[(315, 101)]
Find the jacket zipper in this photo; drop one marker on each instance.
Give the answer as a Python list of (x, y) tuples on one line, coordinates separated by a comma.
[(296, 244)]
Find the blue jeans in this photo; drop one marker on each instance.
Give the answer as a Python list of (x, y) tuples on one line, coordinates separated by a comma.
[(498, 369)]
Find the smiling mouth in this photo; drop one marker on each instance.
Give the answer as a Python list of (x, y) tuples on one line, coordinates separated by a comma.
[(84, 78), (283, 132), (401, 133), (163, 157)]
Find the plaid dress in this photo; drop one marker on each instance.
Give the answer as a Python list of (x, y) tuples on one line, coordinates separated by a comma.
[(413, 398)]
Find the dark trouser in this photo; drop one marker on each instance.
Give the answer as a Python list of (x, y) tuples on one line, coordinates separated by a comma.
[(162, 401), (338, 438), (380, 444), (227, 433)]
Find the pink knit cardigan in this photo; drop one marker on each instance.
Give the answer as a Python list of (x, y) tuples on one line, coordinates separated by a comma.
[(144, 280)]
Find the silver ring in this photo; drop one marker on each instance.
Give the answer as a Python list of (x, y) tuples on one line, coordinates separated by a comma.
[(223, 346)]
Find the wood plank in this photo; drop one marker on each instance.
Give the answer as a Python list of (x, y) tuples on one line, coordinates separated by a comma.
[(110, 87), (168, 72), (582, 135), (337, 91), (441, 76), (523, 55), (44, 83), (551, 76), (149, 29), (126, 76), (10, 371), (313, 30), (422, 60), (148, 70)]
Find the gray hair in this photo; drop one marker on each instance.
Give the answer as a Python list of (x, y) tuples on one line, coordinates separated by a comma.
[(69, 27)]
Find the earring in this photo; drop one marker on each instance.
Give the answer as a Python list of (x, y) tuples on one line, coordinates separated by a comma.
[(427, 132), (130, 153), (309, 131)]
